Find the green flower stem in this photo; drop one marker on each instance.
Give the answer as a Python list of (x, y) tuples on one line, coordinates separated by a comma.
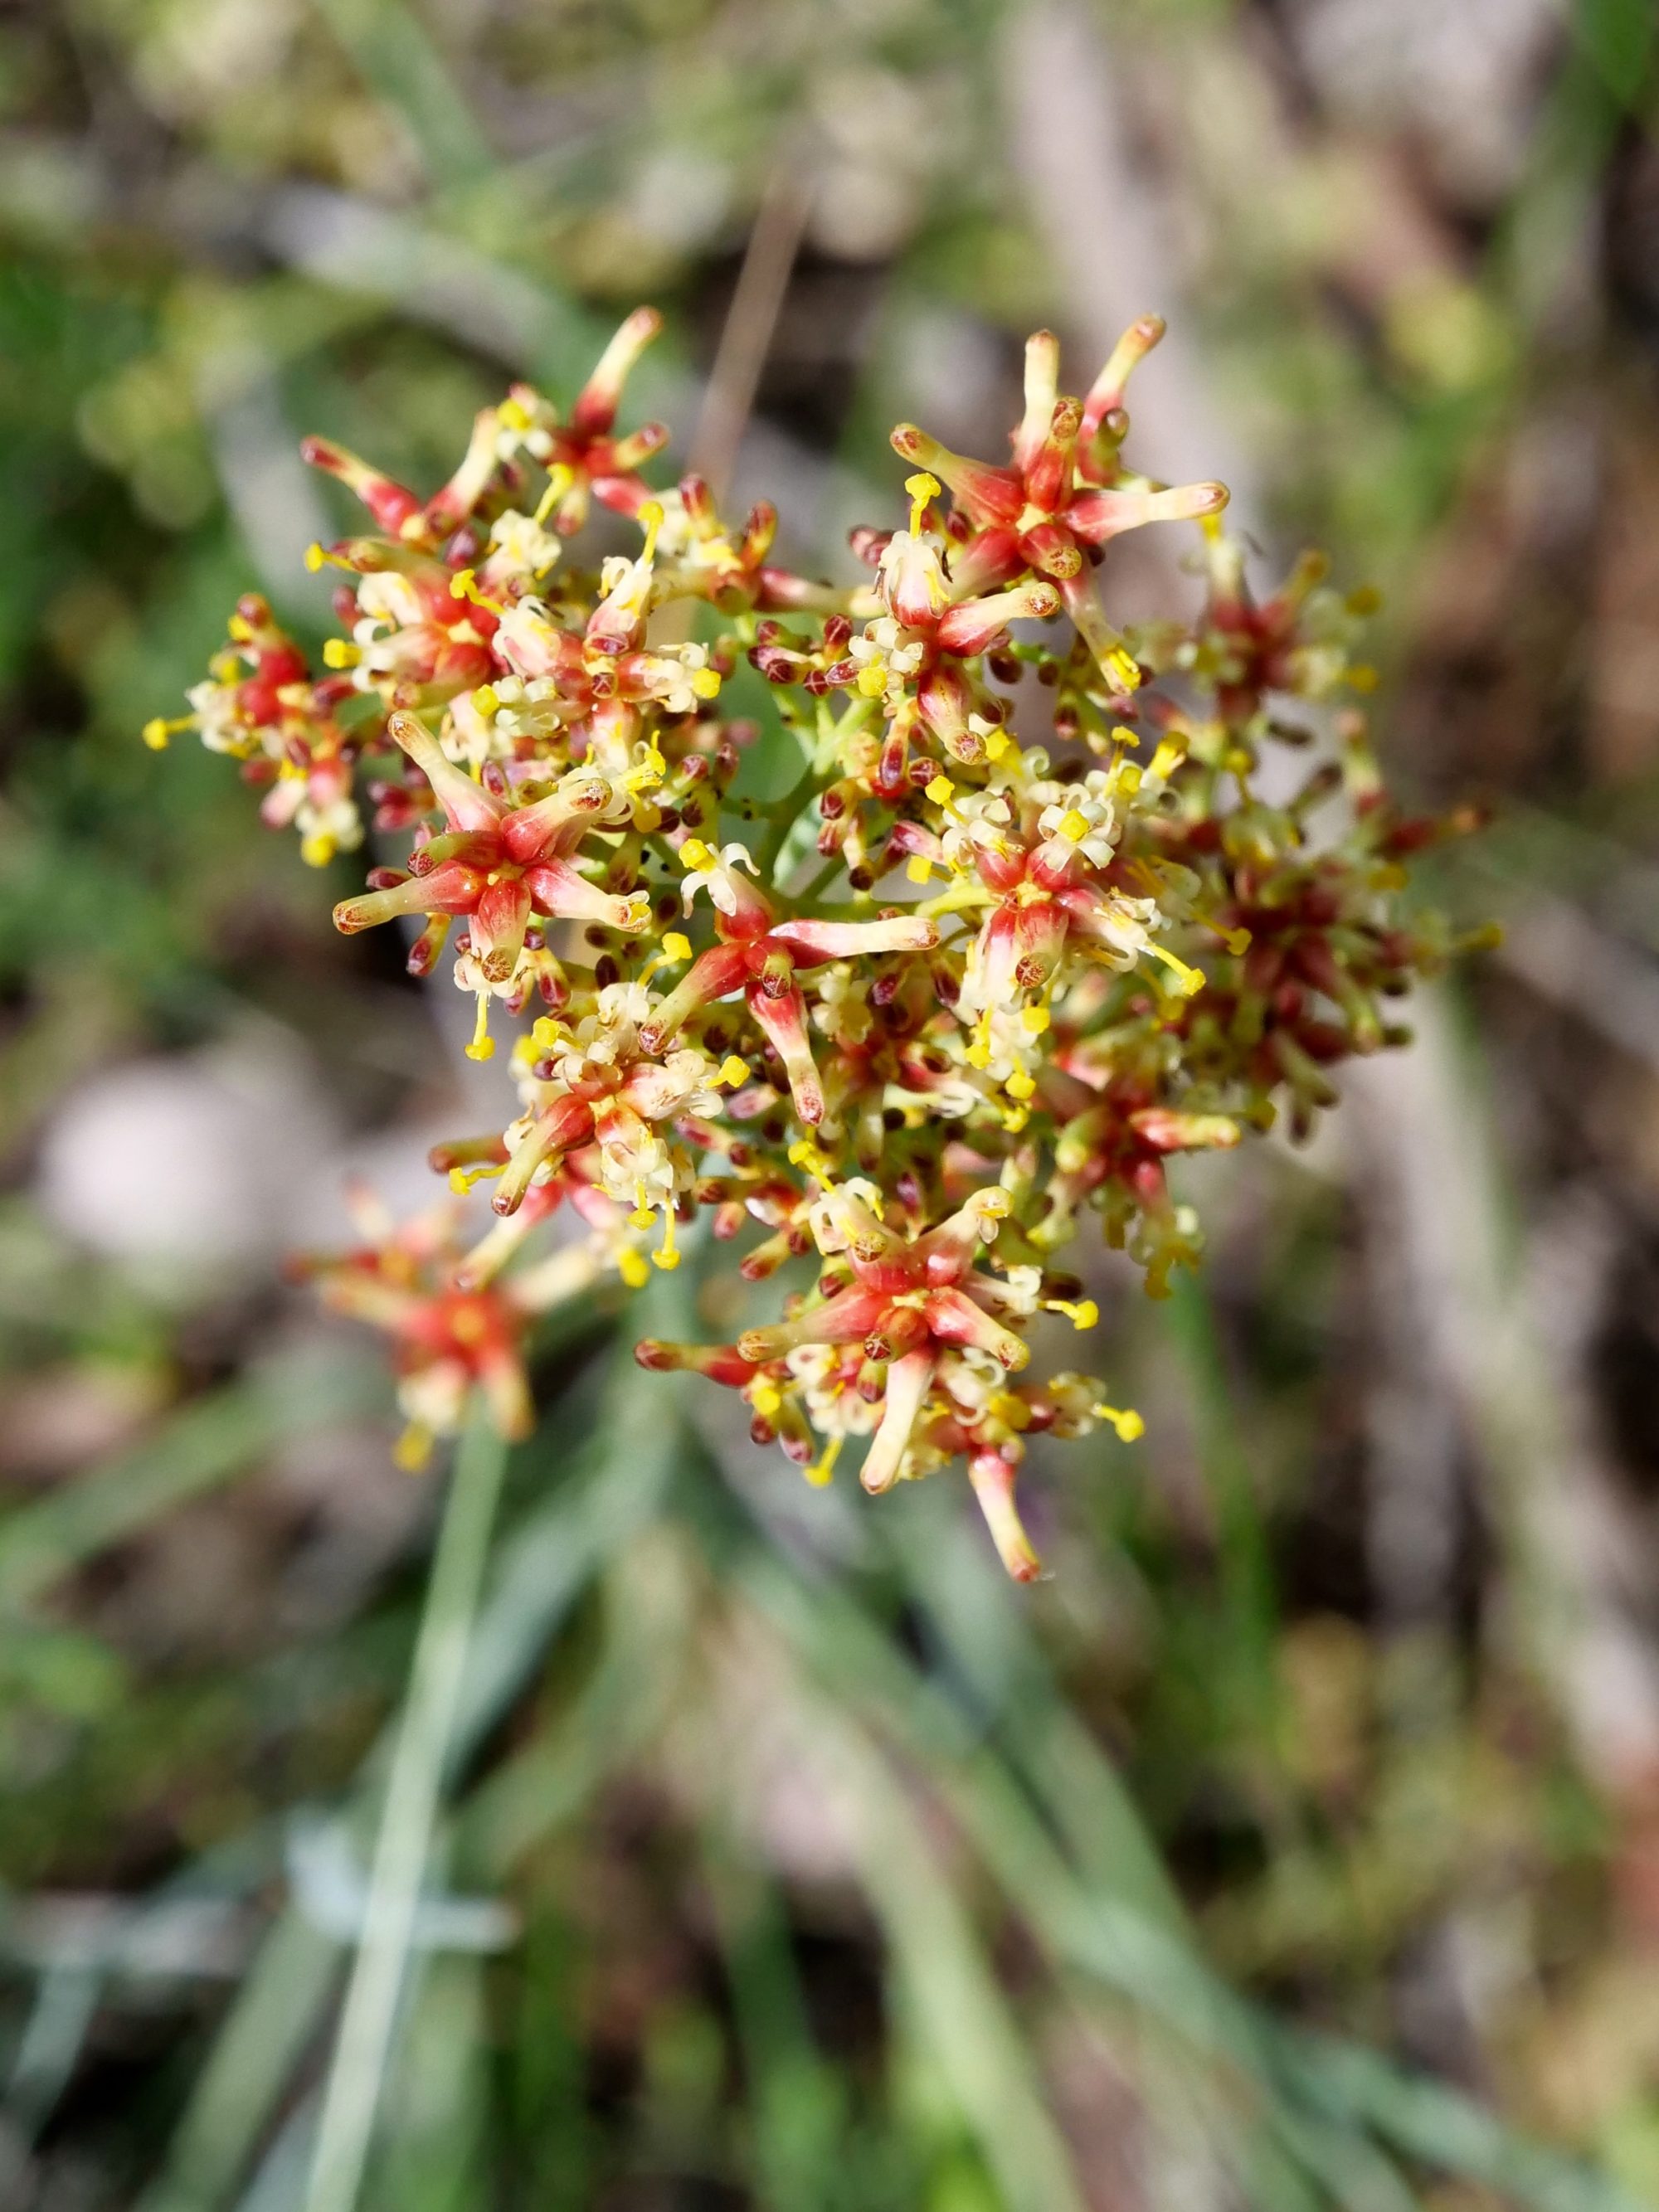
[(402, 1849)]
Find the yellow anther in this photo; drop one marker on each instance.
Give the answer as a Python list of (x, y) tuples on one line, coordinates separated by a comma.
[(922, 488), (872, 679), (734, 1071), (413, 1448), (694, 854), (1015, 1119), (1034, 1019), (822, 1471), (1124, 1419), (1122, 664), (315, 556), (483, 1046), (1189, 982), (706, 683), (941, 792), (803, 1153), (631, 1266), (652, 516), (646, 774), (666, 1256), (461, 1179), (676, 946), (559, 481), (240, 629), (1236, 940), (548, 1032), (1020, 1084), (317, 851), (1014, 1413), (767, 1400), (1126, 778), (340, 653), (1073, 826), (1362, 677), (464, 584), (1167, 757), (1083, 1313), (487, 698), (158, 731), (996, 744), (512, 416), (919, 868)]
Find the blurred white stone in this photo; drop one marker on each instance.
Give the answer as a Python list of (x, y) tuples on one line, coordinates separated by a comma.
[(192, 1170)]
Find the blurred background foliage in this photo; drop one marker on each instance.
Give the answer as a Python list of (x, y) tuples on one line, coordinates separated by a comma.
[(1298, 1842)]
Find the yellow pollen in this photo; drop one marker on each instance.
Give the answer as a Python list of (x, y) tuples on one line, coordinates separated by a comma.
[(486, 699), (667, 1257), (872, 678), (1167, 757), (822, 1471), (922, 488), (512, 416), (1015, 1119), (631, 1266), (340, 653), (1122, 664), (158, 730), (803, 1153), (483, 1046), (765, 1399), (315, 556), (559, 481), (1190, 981), (317, 851), (919, 868), (675, 947), (240, 629), (1021, 1085), (706, 683), (734, 1071), (1124, 1419), (652, 516), (464, 584), (1073, 826), (943, 792), (996, 745), (413, 1448), (461, 1179), (1084, 1314), (694, 854), (1034, 1019)]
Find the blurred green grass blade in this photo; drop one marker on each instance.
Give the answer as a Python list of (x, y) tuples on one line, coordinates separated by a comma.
[(398, 59), (542, 1567), (414, 1790), (958, 2002), (213, 1440), (1247, 1594), (797, 2101), (1444, 2130), (262, 2041)]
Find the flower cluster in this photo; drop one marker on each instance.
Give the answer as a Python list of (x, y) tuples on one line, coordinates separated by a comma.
[(905, 1028)]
